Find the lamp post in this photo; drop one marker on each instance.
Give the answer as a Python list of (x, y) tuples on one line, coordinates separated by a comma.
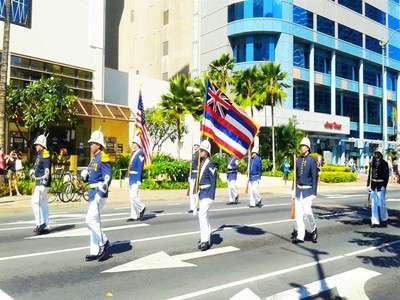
[(384, 98), (294, 119)]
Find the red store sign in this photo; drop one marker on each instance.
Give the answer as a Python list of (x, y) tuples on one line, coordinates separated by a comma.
[(333, 125)]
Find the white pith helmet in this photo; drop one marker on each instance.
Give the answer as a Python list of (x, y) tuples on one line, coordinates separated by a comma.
[(378, 150), (255, 150), (306, 142), (41, 140), (206, 146), (137, 141), (97, 137)]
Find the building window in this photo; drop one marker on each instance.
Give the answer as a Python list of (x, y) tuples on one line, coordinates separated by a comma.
[(394, 52), (24, 70), (355, 5), (20, 12), (262, 47), (166, 17), (393, 22), (349, 35), (301, 97), (391, 82), (372, 77), (302, 17), (322, 62), (347, 69), (347, 105), (375, 14), (301, 54), (165, 48), (326, 26), (322, 100), (372, 112), (235, 12), (372, 44), (258, 8)]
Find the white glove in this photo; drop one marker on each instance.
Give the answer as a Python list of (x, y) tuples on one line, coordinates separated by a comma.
[(32, 173), (293, 194), (368, 189), (85, 174)]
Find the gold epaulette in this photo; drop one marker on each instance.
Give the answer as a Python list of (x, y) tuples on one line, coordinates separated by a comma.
[(104, 157), (46, 153)]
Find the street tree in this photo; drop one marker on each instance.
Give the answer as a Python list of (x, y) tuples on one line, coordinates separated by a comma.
[(272, 92), (43, 104), (219, 71), (161, 128), (178, 102), (4, 71)]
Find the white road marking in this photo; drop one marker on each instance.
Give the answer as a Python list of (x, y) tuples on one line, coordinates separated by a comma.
[(276, 273), (350, 285), (339, 196), (82, 231), (392, 200), (162, 260), (4, 296), (246, 294)]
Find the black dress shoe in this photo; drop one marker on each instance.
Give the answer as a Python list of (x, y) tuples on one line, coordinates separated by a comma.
[(142, 213), (103, 251), (45, 231), (38, 230), (384, 224), (190, 211), (314, 235), (91, 257), (131, 220), (297, 241), (204, 246), (237, 199), (374, 225), (230, 203)]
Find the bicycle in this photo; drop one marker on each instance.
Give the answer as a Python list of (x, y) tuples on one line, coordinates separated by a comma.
[(59, 178), (76, 189)]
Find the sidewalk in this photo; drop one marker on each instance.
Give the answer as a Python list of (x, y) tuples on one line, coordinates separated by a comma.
[(119, 195)]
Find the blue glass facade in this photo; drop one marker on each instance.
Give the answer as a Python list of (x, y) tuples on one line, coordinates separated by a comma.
[(20, 12)]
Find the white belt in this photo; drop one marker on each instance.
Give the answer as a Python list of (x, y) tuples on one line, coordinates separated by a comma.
[(94, 185), (203, 187), (133, 172), (303, 187), (377, 180)]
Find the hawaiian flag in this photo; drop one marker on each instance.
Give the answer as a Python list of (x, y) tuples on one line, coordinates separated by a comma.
[(224, 122), (142, 132)]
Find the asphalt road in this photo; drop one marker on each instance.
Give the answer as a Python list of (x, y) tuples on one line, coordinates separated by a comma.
[(252, 256)]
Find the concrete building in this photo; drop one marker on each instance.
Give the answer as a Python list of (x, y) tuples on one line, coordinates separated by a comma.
[(332, 52)]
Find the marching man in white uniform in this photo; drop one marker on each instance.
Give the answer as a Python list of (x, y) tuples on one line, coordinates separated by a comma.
[(136, 166), (207, 186), (41, 173), (99, 175)]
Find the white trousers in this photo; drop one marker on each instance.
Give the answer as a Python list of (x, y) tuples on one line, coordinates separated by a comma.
[(40, 205), (136, 205), (303, 209), (205, 227), (232, 190), (255, 196), (378, 200), (93, 221)]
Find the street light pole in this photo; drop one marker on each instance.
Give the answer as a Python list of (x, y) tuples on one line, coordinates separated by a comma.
[(384, 97)]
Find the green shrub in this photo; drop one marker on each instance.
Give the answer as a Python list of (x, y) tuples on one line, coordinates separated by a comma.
[(336, 177), (332, 168)]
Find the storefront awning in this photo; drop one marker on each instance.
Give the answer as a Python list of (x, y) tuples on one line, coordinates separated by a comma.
[(101, 110)]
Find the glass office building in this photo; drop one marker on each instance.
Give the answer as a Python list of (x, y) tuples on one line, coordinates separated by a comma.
[(342, 57)]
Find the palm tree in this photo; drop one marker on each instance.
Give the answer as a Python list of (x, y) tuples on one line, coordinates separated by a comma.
[(178, 102), (271, 90), (219, 70), (245, 87), (3, 71)]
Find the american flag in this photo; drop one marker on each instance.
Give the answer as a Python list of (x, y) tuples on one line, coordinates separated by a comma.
[(224, 122), (142, 132)]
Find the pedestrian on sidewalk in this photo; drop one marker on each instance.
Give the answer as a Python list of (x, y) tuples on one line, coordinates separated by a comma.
[(231, 174), (255, 172), (207, 187), (378, 177), (192, 179), (12, 172), (285, 168), (99, 176), (135, 169), (305, 192), (3, 164), (42, 174)]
